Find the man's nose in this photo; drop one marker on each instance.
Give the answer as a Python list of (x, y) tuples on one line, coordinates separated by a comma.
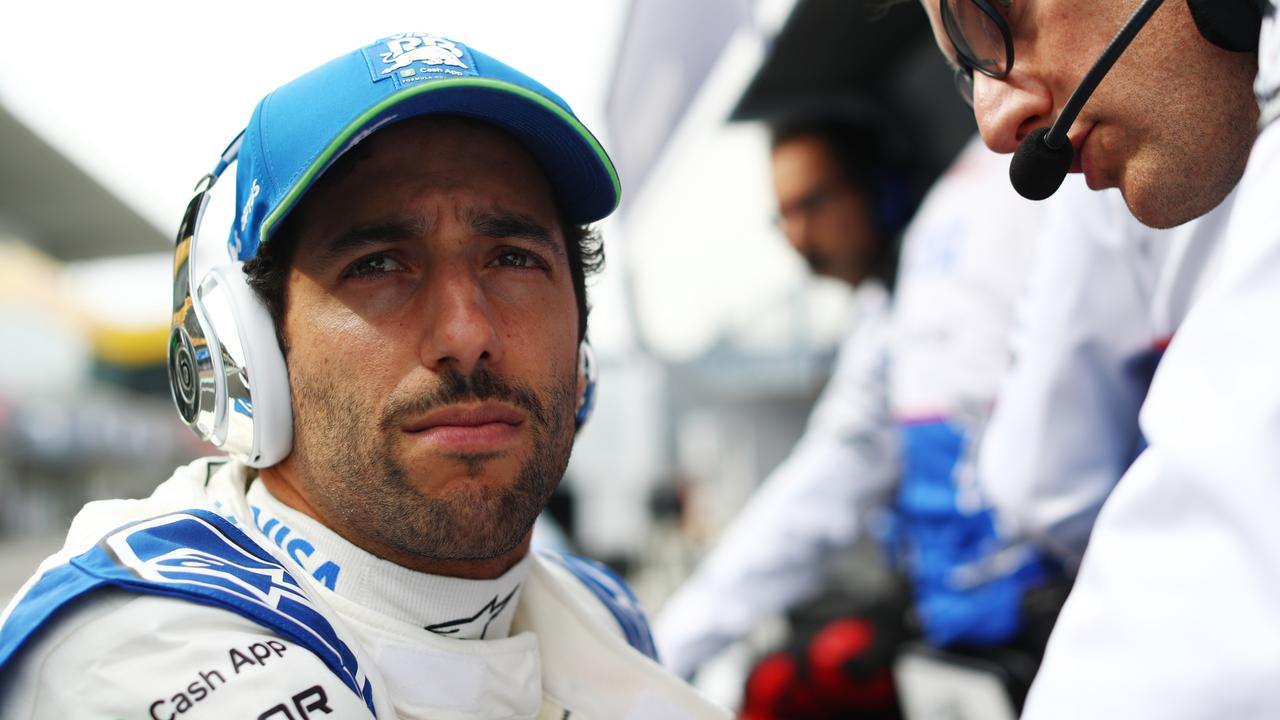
[(461, 329), (1008, 109)]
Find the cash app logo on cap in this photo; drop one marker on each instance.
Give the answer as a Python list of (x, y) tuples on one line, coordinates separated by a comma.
[(410, 57)]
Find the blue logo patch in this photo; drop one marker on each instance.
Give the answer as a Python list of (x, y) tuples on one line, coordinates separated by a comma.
[(195, 553), (187, 550), (412, 57)]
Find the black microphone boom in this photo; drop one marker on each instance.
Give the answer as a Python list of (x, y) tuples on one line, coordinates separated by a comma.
[(1044, 157)]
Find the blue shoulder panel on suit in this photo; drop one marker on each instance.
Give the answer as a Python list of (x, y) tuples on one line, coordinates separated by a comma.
[(614, 593), (197, 556)]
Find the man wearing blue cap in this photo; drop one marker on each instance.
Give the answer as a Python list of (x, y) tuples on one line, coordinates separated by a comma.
[(394, 363)]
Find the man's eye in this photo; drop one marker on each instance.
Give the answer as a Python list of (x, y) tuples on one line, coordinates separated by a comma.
[(373, 265), (517, 259)]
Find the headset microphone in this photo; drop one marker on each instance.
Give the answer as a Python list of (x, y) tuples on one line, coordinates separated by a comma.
[(1044, 157)]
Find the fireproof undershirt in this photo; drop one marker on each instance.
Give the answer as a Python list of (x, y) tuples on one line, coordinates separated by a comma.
[(448, 606)]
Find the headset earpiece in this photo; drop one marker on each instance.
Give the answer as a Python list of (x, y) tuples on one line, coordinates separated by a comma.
[(227, 373), (587, 376), (1230, 24)]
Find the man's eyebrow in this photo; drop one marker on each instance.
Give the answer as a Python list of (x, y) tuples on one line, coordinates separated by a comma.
[(500, 224), (381, 232)]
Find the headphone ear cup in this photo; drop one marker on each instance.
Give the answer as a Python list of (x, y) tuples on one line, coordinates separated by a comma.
[(259, 424), (1230, 24)]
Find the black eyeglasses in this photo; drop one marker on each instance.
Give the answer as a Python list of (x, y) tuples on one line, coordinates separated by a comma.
[(982, 40)]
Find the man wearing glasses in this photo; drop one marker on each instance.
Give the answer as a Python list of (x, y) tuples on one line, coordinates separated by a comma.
[(1175, 610)]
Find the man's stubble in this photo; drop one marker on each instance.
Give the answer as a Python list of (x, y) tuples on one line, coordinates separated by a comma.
[(350, 469)]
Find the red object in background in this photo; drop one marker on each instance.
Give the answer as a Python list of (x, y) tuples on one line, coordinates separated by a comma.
[(842, 671), (767, 685), (776, 691), (836, 675)]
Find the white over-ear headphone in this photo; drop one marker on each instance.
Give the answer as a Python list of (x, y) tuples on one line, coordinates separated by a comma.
[(227, 372)]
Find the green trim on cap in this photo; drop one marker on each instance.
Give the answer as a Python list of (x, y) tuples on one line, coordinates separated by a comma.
[(322, 160)]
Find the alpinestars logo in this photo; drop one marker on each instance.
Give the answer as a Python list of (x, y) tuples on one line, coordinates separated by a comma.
[(466, 627)]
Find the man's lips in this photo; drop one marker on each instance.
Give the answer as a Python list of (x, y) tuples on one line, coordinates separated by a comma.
[(467, 416), (1077, 150), (469, 427)]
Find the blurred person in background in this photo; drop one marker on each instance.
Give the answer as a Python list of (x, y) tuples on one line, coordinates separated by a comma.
[(395, 360), (828, 172), (884, 435)]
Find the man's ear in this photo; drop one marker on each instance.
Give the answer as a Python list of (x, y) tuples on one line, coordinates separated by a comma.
[(586, 384)]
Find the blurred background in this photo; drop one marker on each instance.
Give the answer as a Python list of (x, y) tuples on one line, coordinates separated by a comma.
[(712, 335)]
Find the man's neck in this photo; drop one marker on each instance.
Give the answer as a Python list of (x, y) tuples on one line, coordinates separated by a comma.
[(280, 483)]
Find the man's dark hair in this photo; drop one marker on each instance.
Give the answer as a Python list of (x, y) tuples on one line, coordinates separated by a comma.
[(874, 162), (269, 269)]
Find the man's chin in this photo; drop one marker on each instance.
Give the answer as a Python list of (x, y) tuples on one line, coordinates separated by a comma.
[(1163, 215), (1162, 198)]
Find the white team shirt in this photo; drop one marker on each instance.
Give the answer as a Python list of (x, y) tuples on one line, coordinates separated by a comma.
[(1106, 297), (1176, 612), (961, 276)]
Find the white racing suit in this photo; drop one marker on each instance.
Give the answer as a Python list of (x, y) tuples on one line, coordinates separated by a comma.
[(1176, 611), (1105, 299), (961, 275), (190, 610)]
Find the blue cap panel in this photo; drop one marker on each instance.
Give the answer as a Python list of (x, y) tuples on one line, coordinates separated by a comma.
[(300, 129)]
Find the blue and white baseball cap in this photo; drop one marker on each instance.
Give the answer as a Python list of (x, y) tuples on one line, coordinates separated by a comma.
[(300, 129)]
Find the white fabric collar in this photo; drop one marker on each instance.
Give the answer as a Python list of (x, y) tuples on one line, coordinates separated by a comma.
[(450, 607)]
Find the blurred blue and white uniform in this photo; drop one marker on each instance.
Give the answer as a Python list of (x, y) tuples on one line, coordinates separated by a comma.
[(1176, 610), (962, 275), (813, 504), (1106, 297), (958, 267)]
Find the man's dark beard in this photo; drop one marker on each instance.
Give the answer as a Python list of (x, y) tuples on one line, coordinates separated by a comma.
[(361, 487)]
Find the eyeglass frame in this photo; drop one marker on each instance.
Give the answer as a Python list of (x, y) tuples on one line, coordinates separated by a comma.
[(965, 66)]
